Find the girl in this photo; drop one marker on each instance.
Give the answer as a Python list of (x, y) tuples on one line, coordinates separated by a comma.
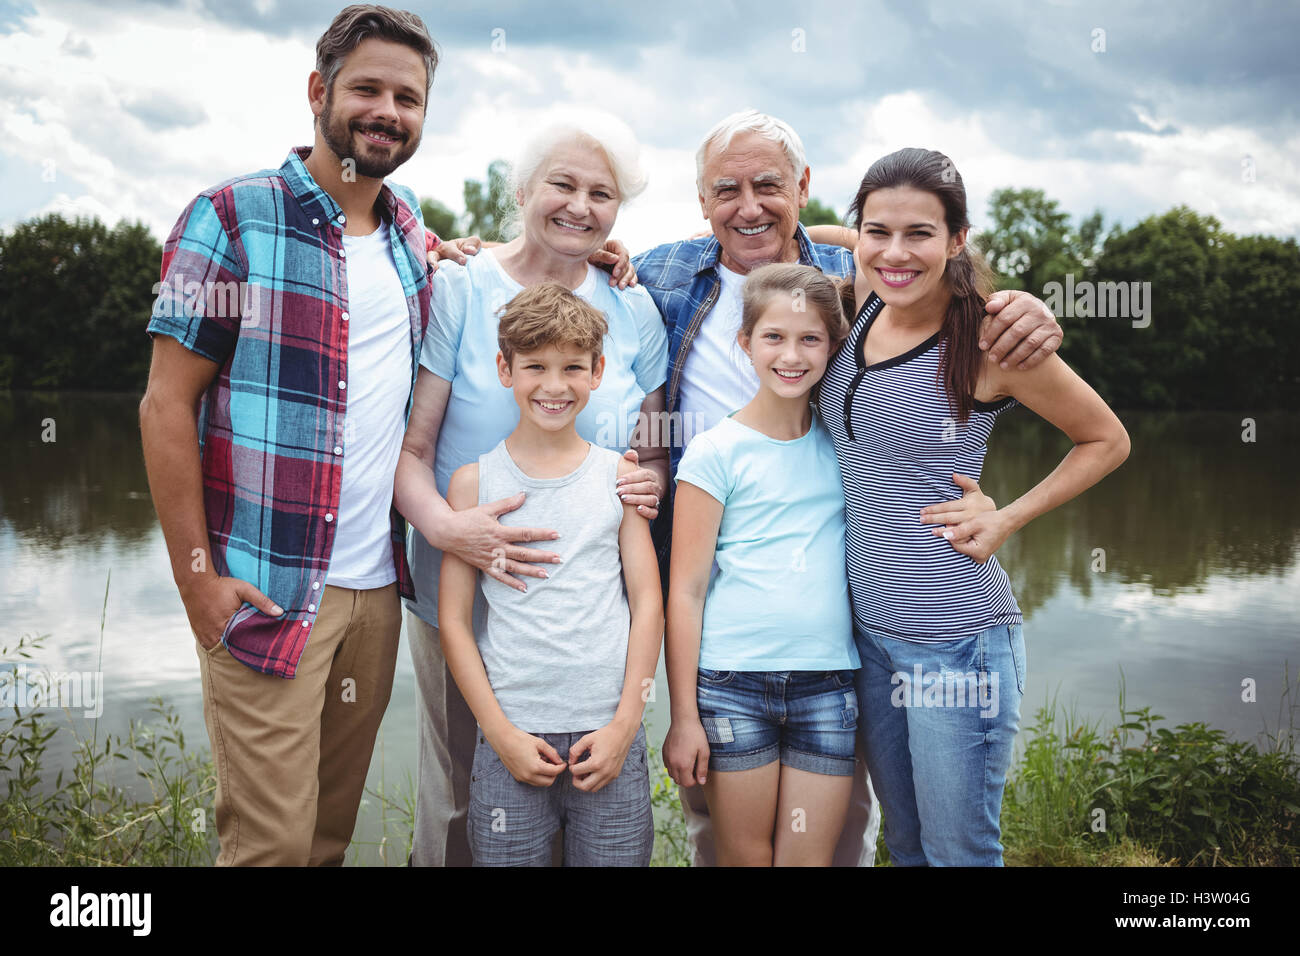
[(908, 401), (761, 658)]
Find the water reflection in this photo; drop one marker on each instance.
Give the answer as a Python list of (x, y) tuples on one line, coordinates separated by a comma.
[(1193, 500), (88, 481), (1200, 534)]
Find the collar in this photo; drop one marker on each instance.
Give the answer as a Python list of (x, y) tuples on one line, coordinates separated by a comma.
[(315, 201)]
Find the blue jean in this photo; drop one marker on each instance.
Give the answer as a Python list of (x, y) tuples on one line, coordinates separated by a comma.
[(938, 724), (805, 719)]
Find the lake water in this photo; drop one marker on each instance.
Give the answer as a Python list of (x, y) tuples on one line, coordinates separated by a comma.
[(1198, 534)]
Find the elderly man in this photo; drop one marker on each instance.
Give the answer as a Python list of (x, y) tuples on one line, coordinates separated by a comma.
[(753, 180)]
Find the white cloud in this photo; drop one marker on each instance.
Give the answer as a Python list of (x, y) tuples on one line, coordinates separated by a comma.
[(70, 76)]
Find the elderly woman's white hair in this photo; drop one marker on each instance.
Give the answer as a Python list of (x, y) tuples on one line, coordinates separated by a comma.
[(595, 128), (751, 121)]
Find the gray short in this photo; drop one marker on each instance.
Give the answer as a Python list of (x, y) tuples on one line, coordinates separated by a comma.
[(513, 823)]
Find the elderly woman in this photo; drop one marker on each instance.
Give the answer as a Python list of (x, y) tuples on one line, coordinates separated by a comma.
[(568, 183)]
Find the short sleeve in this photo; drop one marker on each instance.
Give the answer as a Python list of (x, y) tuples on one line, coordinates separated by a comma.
[(201, 295), (703, 466), (451, 302), (651, 363)]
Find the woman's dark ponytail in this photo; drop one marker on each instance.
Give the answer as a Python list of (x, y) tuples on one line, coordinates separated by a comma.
[(971, 283)]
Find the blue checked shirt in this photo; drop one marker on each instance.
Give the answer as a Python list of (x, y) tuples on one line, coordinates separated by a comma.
[(682, 278)]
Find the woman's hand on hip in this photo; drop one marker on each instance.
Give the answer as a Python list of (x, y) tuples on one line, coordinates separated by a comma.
[(972, 502), (981, 536)]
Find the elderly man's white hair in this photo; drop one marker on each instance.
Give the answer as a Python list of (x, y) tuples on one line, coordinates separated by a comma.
[(593, 128), (751, 121)]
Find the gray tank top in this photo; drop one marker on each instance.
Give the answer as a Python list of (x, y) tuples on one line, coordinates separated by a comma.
[(556, 654)]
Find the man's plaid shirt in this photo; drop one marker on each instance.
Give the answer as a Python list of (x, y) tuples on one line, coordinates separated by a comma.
[(254, 277)]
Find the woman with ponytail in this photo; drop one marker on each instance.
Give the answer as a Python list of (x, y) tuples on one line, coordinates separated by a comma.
[(910, 401)]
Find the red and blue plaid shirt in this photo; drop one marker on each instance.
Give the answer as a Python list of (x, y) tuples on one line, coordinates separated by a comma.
[(254, 277)]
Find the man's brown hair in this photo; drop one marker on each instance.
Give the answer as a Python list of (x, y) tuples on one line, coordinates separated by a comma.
[(363, 20), (549, 314)]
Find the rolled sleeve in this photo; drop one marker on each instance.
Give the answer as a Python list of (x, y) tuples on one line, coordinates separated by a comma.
[(651, 363), (201, 271), (451, 295), (703, 467)]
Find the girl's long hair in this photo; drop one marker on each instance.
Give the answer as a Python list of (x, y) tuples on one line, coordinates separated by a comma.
[(967, 275)]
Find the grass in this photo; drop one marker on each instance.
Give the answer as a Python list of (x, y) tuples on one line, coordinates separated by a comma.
[(1144, 794), (1136, 794), (84, 817)]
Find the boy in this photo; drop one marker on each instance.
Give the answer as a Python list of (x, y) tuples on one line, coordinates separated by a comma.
[(556, 680)]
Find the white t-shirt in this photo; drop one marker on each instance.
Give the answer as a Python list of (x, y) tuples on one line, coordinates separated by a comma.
[(718, 377), (379, 382)]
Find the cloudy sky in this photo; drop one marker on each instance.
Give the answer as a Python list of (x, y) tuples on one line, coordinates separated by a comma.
[(1127, 107)]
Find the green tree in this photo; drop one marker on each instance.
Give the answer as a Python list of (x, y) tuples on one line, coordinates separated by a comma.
[(488, 208), (1028, 241), (438, 218), (75, 297), (817, 213), (1179, 257), (1258, 363)]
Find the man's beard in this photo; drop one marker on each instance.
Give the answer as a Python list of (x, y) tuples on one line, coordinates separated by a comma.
[(338, 137)]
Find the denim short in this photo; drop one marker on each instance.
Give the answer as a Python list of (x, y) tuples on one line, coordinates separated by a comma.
[(806, 719)]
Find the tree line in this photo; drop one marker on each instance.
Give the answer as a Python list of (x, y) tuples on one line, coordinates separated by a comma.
[(1173, 313)]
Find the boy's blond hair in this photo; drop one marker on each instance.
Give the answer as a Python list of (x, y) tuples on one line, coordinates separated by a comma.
[(549, 314)]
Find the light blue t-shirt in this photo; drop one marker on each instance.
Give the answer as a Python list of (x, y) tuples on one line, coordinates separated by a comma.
[(461, 347), (780, 598)]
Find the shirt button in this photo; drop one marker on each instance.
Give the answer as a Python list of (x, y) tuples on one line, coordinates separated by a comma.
[(315, 222), (304, 623), (338, 449), (311, 607), (329, 517), (342, 218), (342, 384), (343, 253), (345, 316), (315, 585)]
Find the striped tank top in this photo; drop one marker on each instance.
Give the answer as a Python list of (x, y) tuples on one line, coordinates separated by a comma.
[(898, 444)]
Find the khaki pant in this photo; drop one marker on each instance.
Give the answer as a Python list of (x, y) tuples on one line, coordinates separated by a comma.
[(292, 755)]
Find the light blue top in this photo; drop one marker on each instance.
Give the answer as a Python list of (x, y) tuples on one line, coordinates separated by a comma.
[(461, 347), (780, 598)]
